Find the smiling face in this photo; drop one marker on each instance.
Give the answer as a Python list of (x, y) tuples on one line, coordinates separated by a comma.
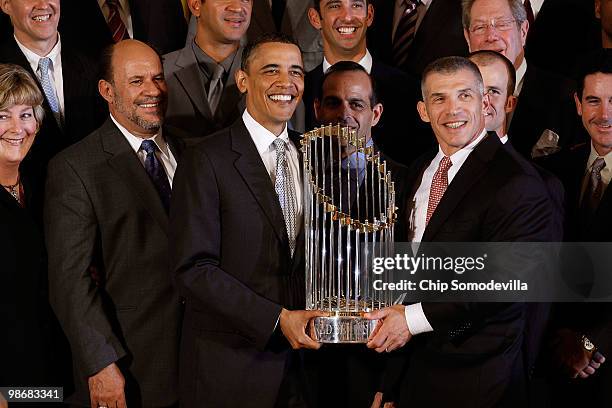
[(222, 21), (343, 25), (455, 107), (509, 41), (137, 95), (495, 78), (595, 108), (34, 21), (346, 100), (18, 128), (274, 83)]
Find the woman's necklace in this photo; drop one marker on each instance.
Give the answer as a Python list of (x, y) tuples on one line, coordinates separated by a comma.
[(13, 189)]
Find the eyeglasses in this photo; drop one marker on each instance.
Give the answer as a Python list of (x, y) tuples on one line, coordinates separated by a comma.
[(499, 25)]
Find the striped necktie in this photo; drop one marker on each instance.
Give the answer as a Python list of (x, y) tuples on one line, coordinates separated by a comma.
[(115, 23), (405, 32)]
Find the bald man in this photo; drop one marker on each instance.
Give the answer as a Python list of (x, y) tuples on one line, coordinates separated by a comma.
[(106, 221)]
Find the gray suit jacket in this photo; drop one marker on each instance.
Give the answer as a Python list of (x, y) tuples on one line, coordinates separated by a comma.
[(109, 274), (189, 116), (295, 23)]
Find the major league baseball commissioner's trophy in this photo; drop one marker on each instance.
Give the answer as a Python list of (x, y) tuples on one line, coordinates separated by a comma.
[(349, 214)]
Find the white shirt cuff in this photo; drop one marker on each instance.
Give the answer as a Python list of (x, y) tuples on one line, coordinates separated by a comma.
[(416, 320)]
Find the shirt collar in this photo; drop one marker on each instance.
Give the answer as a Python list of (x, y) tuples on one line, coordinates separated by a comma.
[(504, 139), (520, 75), (33, 58), (365, 62), (593, 155), (460, 155), (261, 136), (136, 141)]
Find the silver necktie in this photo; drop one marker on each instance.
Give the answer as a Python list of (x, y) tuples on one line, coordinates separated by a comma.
[(286, 191)]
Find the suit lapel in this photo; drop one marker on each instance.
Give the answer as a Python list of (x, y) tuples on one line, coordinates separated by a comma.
[(254, 173), (262, 15), (472, 170), (125, 162), (71, 88), (433, 21), (295, 15), (231, 96), (189, 78)]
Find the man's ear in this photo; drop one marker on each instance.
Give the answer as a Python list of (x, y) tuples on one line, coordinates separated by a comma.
[(378, 111), (106, 91), (4, 5), (578, 104), (194, 7), (314, 18), (370, 16), (422, 109), (486, 103), (598, 9), (241, 80), (466, 34), (510, 104), (524, 29)]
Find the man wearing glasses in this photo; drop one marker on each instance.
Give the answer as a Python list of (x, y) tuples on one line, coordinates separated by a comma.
[(542, 122)]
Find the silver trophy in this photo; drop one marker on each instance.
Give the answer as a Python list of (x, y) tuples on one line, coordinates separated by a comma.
[(349, 211)]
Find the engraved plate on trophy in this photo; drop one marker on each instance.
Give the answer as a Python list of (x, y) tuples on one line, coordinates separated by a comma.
[(349, 210)]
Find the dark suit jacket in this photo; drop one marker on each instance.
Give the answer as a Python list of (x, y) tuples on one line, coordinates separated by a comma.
[(159, 23), (545, 102), (231, 261), (106, 232), (83, 107), (592, 319), (400, 134), (439, 35), (188, 113), (473, 357), (295, 23)]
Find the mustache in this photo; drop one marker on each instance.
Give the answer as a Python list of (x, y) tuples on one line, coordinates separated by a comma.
[(603, 122)]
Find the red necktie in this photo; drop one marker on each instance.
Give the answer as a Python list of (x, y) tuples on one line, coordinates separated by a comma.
[(529, 10), (438, 186), (115, 24)]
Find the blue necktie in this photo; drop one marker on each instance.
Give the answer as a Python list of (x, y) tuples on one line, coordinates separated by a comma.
[(156, 172), (43, 66)]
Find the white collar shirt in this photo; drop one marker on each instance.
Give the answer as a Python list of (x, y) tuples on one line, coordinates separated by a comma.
[(124, 12), (606, 172), (520, 77), (264, 142), (163, 153), (536, 6), (366, 62), (55, 69)]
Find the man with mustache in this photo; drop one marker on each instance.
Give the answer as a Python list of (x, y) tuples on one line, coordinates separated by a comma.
[(237, 247), (202, 92), (106, 225)]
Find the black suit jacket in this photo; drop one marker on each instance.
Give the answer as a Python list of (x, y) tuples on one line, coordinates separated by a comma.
[(439, 35), (83, 107), (474, 355), (400, 134), (545, 102), (159, 23), (232, 263), (109, 274)]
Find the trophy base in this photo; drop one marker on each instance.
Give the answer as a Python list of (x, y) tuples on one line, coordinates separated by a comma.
[(343, 328)]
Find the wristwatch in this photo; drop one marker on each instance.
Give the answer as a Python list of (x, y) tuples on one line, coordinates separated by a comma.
[(587, 344)]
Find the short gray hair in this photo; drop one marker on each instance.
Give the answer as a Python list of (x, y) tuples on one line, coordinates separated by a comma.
[(449, 66), (516, 7)]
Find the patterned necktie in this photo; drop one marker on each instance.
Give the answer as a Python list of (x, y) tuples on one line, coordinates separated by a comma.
[(285, 190), (156, 172), (438, 186), (43, 66), (215, 88), (594, 190), (115, 24), (406, 29), (529, 10)]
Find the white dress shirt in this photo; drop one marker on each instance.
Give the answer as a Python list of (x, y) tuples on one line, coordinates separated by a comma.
[(164, 154), (536, 5), (520, 77), (606, 172), (415, 318), (399, 10), (365, 62), (264, 142), (124, 13), (55, 69)]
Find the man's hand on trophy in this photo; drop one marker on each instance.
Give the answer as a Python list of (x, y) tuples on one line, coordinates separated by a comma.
[(391, 331), (293, 325)]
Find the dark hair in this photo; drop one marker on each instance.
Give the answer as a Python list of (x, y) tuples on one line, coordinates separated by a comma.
[(516, 7), (317, 5), (251, 47), (451, 65), (348, 66), (486, 58), (598, 61), (106, 63)]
